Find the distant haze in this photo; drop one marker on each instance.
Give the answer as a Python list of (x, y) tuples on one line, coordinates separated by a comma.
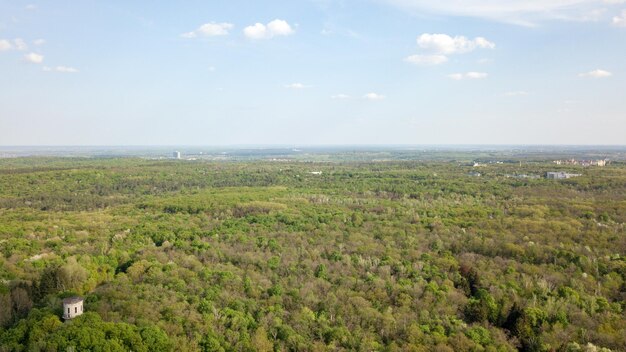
[(316, 72)]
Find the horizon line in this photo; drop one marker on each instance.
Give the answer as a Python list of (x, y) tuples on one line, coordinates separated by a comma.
[(288, 145)]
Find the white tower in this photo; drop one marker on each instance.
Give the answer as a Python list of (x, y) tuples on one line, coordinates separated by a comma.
[(176, 155), (72, 307)]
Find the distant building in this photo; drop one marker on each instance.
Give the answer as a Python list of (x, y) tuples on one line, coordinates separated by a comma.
[(560, 175), (523, 176), (176, 155), (72, 307), (586, 163)]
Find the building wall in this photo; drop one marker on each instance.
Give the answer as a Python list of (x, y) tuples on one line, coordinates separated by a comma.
[(72, 310)]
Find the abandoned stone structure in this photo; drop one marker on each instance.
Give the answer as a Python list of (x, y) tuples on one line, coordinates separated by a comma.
[(72, 307)]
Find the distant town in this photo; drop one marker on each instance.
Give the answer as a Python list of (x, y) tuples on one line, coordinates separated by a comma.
[(599, 162)]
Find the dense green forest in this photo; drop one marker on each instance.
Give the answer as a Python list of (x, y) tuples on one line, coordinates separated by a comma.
[(311, 256)]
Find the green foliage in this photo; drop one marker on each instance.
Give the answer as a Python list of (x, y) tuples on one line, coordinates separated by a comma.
[(321, 272), (480, 335), (242, 256), (482, 307), (43, 331)]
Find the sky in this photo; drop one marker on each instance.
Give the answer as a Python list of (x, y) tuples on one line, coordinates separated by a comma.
[(312, 72)]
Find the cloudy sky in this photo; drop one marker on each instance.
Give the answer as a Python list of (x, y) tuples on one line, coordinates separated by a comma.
[(307, 72)]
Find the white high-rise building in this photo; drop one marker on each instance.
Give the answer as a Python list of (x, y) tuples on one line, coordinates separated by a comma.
[(176, 155)]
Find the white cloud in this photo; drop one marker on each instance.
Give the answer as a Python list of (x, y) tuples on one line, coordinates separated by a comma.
[(340, 97), (456, 76), (39, 42), (296, 86), (426, 59), (30, 7), (596, 74), (17, 44), (591, 15), (331, 29), (445, 44), (526, 13), (440, 45), (62, 69), (210, 29), (20, 44), (212, 68), (33, 58), (620, 21), (256, 31), (5, 45), (517, 93), (484, 43), (374, 96), (279, 27), (275, 28), (476, 75), (214, 29), (66, 69), (468, 75)]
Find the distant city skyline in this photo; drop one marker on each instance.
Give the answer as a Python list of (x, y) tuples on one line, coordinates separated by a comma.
[(313, 72)]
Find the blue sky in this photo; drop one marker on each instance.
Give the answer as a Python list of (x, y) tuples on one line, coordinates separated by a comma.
[(312, 72)]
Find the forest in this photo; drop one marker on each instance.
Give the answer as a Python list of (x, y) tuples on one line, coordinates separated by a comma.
[(290, 255)]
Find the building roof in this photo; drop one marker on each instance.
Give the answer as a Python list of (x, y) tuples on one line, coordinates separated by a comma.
[(72, 300)]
